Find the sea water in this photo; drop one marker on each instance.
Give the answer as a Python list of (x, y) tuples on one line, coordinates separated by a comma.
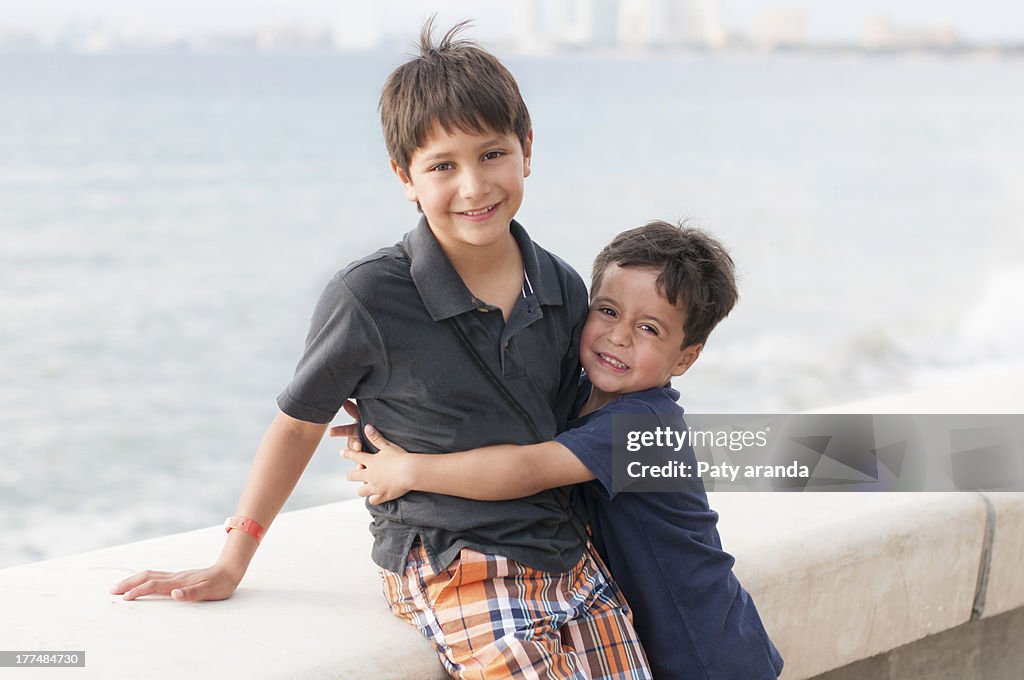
[(167, 222)]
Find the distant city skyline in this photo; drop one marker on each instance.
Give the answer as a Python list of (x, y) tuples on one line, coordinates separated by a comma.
[(824, 20)]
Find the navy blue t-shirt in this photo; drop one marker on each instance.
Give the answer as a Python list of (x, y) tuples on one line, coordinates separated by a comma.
[(692, 615)]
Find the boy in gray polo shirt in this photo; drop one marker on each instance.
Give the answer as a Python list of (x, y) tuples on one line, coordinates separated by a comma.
[(462, 335)]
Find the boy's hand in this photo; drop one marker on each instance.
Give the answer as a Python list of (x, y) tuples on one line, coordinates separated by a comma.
[(385, 475), (213, 583)]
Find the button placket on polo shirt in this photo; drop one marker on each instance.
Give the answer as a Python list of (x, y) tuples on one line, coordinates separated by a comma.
[(526, 312)]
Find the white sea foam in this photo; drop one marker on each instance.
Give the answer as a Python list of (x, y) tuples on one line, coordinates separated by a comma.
[(993, 326)]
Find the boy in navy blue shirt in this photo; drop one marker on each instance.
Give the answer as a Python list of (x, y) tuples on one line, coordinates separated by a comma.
[(656, 294)]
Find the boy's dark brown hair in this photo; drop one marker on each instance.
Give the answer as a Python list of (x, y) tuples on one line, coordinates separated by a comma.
[(454, 83), (696, 272)]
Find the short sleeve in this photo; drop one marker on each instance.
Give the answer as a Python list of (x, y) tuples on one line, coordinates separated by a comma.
[(591, 442), (594, 440), (343, 349)]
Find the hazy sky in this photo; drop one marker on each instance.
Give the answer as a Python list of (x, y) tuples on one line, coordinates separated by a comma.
[(999, 20)]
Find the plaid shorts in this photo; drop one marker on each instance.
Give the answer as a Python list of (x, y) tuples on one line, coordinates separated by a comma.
[(491, 617)]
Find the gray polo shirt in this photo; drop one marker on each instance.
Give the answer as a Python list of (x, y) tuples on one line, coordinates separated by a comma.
[(380, 335)]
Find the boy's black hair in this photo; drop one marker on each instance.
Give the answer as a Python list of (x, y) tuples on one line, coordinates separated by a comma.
[(454, 83), (696, 272)]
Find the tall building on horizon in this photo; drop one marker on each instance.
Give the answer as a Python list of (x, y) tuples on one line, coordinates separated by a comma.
[(541, 26), (602, 21), (527, 24), (631, 24), (637, 26), (694, 23), (778, 27)]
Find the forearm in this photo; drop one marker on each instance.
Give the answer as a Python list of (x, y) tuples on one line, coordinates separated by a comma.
[(499, 472), (282, 456)]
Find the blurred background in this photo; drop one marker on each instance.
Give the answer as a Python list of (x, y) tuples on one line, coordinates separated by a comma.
[(179, 180)]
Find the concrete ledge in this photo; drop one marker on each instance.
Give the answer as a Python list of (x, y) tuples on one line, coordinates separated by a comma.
[(1004, 591), (310, 607), (837, 577), (842, 577)]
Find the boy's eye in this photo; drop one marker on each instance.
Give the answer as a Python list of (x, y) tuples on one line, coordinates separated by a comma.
[(491, 155), (648, 328), (607, 311), (441, 166)]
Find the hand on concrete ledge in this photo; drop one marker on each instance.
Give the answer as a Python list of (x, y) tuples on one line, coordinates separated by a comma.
[(213, 583)]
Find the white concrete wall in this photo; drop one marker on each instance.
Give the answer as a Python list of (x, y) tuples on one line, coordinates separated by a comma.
[(837, 577)]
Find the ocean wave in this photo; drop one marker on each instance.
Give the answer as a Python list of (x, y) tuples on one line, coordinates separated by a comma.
[(993, 327)]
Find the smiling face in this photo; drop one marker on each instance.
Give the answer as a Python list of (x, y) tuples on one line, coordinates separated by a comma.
[(633, 339), (468, 185)]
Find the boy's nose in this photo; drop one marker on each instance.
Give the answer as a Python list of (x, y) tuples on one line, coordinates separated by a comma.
[(618, 335), (474, 184)]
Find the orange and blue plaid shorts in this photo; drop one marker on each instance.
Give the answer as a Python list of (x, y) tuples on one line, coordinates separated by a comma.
[(491, 617)]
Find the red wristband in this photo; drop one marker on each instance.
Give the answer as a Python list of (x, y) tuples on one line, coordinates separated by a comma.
[(249, 526)]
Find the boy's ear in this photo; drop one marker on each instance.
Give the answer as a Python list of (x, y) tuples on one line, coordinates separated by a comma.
[(690, 354), (527, 153), (403, 177)]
